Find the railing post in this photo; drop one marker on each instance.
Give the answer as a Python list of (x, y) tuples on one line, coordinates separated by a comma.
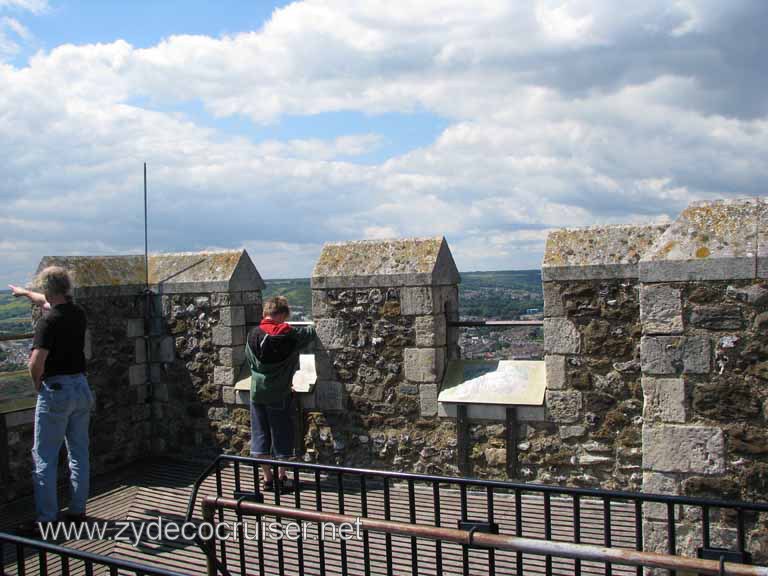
[(462, 440), (298, 440), (4, 449), (511, 429)]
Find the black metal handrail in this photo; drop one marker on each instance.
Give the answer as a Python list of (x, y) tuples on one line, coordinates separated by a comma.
[(604, 499), (493, 323), (65, 555), (13, 337), (471, 537)]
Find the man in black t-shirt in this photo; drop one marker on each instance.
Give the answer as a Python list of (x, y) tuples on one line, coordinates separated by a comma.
[(64, 399)]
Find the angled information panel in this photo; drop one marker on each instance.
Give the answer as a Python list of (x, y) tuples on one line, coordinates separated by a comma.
[(508, 382), (303, 381)]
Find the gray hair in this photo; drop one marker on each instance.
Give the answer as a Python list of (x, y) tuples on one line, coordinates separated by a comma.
[(54, 281)]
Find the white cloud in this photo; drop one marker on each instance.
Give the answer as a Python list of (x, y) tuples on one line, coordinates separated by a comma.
[(560, 114), (34, 6)]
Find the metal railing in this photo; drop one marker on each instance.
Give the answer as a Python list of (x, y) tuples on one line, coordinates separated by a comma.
[(611, 519), (14, 337), (476, 538), (28, 556), (493, 323)]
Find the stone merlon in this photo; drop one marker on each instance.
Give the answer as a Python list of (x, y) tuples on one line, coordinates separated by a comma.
[(228, 271), (373, 263), (711, 241), (597, 252)]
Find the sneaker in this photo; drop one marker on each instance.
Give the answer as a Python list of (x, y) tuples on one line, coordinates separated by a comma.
[(75, 518)]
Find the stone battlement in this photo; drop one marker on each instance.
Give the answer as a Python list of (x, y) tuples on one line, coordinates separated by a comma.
[(656, 359)]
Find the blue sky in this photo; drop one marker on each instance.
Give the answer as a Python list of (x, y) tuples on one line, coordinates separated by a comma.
[(280, 126)]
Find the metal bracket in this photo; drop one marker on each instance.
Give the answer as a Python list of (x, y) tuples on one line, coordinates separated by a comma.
[(473, 526), (713, 553), (248, 496)]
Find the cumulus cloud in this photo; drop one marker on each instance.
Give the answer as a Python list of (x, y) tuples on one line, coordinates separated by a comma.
[(559, 114)]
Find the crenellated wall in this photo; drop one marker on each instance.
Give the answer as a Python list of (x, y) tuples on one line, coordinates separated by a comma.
[(657, 361), (159, 366), (656, 364), (592, 335), (381, 310)]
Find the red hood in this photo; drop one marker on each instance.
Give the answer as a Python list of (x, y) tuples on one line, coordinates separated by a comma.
[(274, 328)]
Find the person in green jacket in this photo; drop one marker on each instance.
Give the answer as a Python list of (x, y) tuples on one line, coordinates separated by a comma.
[(272, 350)]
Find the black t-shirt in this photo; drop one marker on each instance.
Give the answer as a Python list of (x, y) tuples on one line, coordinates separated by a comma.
[(61, 331)]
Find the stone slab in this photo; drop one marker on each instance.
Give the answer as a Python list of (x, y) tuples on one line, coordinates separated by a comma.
[(553, 300), (505, 382), (88, 345), (561, 336), (555, 369), (664, 399), (253, 313), (708, 241), (331, 333), (419, 300), (564, 407), (140, 350), (329, 395), (378, 263), (661, 309), (683, 449), (228, 335), (663, 484), (424, 364), (232, 315), (163, 349), (137, 374), (597, 252), (428, 399), (320, 306), (430, 331), (134, 327), (232, 356), (661, 355), (225, 376)]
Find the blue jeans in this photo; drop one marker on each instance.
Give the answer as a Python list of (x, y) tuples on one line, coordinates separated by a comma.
[(62, 414), (272, 429)]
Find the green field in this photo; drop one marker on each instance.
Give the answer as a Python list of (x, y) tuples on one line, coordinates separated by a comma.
[(15, 315), (500, 295), (297, 290)]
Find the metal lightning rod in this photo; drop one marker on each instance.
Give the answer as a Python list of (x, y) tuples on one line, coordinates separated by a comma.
[(146, 241)]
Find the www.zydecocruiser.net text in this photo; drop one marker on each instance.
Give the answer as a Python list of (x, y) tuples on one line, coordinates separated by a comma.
[(134, 532)]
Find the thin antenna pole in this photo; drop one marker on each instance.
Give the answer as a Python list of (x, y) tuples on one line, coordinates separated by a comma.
[(146, 241)]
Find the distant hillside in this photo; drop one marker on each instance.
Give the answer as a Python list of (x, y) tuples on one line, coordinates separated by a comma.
[(501, 295), (14, 314), (298, 292)]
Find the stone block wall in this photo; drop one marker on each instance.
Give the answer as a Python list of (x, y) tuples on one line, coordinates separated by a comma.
[(198, 413), (16, 440), (704, 358), (381, 311), (592, 340), (656, 356), (161, 369)]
